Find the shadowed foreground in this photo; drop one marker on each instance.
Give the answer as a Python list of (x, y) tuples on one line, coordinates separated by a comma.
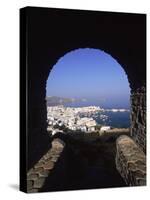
[(85, 163)]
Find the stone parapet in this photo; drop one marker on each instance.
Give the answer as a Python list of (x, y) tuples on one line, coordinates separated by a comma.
[(37, 175), (130, 161)]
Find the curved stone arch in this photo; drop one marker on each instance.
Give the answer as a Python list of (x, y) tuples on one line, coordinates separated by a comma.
[(120, 35), (132, 80)]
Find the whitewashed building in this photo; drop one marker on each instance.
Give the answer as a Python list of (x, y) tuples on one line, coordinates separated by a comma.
[(105, 128)]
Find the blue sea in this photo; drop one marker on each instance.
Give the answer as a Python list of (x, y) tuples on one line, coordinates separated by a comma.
[(113, 119)]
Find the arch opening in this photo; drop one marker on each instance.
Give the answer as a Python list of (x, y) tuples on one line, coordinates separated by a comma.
[(88, 77), (88, 102)]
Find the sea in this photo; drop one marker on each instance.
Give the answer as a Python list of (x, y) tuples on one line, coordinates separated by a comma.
[(113, 119)]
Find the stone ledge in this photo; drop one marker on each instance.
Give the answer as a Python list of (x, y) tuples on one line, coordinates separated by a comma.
[(130, 161), (37, 175)]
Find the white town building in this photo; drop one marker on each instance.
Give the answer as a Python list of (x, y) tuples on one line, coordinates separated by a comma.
[(105, 128)]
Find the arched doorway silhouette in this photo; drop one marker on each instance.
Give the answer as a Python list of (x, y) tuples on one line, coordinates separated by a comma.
[(117, 34)]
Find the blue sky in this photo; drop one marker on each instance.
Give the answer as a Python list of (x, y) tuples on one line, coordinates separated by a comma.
[(91, 74)]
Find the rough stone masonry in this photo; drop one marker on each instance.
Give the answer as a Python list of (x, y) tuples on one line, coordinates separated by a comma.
[(37, 175), (130, 161), (131, 153), (138, 117)]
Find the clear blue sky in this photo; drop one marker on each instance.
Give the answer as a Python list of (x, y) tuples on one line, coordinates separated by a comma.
[(91, 74)]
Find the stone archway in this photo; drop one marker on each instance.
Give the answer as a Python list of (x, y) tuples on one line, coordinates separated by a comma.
[(54, 32), (137, 100)]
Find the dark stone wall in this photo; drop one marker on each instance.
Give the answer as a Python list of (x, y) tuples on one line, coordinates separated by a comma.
[(131, 153), (38, 139), (138, 117), (51, 33)]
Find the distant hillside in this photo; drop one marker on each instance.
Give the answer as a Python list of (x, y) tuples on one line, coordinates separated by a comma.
[(54, 101)]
